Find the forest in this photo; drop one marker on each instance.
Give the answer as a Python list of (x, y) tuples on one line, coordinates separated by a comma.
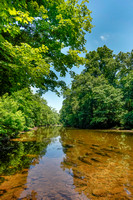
[(32, 37), (102, 95)]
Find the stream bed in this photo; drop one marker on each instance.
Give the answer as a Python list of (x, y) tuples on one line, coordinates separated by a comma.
[(67, 164)]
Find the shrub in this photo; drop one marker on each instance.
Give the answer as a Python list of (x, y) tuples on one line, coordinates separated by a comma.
[(11, 119)]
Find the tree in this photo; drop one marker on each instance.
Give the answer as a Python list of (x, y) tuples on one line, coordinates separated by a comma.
[(11, 118), (23, 110), (126, 84), (92, 103), (126, 63), (102, 95), (103, 62), (32, 36)]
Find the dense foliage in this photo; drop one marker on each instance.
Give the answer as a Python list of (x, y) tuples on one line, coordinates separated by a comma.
[(32, 36), (102, 95), (23, 110)]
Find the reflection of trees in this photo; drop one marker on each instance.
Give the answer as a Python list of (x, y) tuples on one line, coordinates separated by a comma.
[(16, 158), (100, 168), (16, 155), (41, 134)]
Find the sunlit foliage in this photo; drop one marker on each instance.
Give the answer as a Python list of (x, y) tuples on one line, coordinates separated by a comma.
[(23, 110), (32, 36), (102, 95)]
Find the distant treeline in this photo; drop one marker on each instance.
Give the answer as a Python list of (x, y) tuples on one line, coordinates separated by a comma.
[(23, 110), (102, 95)]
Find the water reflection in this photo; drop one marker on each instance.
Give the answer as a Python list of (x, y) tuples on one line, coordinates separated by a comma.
[(17, 157), (58, 163), (48, 179)]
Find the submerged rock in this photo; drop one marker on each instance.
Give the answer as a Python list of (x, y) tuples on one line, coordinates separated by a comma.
[(68, 146), (108, 150), (112, 147), (99, 193), (93, 148), (113, 150), (88, 154), (84, 160), (95, 160), (102, 154), (95, 145)]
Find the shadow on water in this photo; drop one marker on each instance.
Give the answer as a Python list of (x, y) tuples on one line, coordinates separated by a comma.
[(58, 163)]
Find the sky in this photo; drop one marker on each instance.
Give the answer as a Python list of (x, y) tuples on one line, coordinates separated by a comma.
[(113, 21)]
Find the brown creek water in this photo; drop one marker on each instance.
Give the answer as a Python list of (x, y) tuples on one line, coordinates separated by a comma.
[(67, 164)]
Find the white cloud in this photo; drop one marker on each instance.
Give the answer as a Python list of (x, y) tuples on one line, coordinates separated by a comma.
[(104, 37)]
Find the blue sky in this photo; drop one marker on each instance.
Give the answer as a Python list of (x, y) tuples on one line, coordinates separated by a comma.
[(113, 21)]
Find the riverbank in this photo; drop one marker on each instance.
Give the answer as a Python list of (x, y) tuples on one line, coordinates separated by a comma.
[(113, 130)]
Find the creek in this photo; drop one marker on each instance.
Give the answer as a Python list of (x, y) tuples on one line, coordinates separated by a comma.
[(67, 164)]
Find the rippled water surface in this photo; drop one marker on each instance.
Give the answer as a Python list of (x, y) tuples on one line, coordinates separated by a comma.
[(72, 164)]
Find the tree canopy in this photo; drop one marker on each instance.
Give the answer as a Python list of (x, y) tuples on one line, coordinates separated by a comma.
[(102, 95), (92, 103), (32, 36)]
